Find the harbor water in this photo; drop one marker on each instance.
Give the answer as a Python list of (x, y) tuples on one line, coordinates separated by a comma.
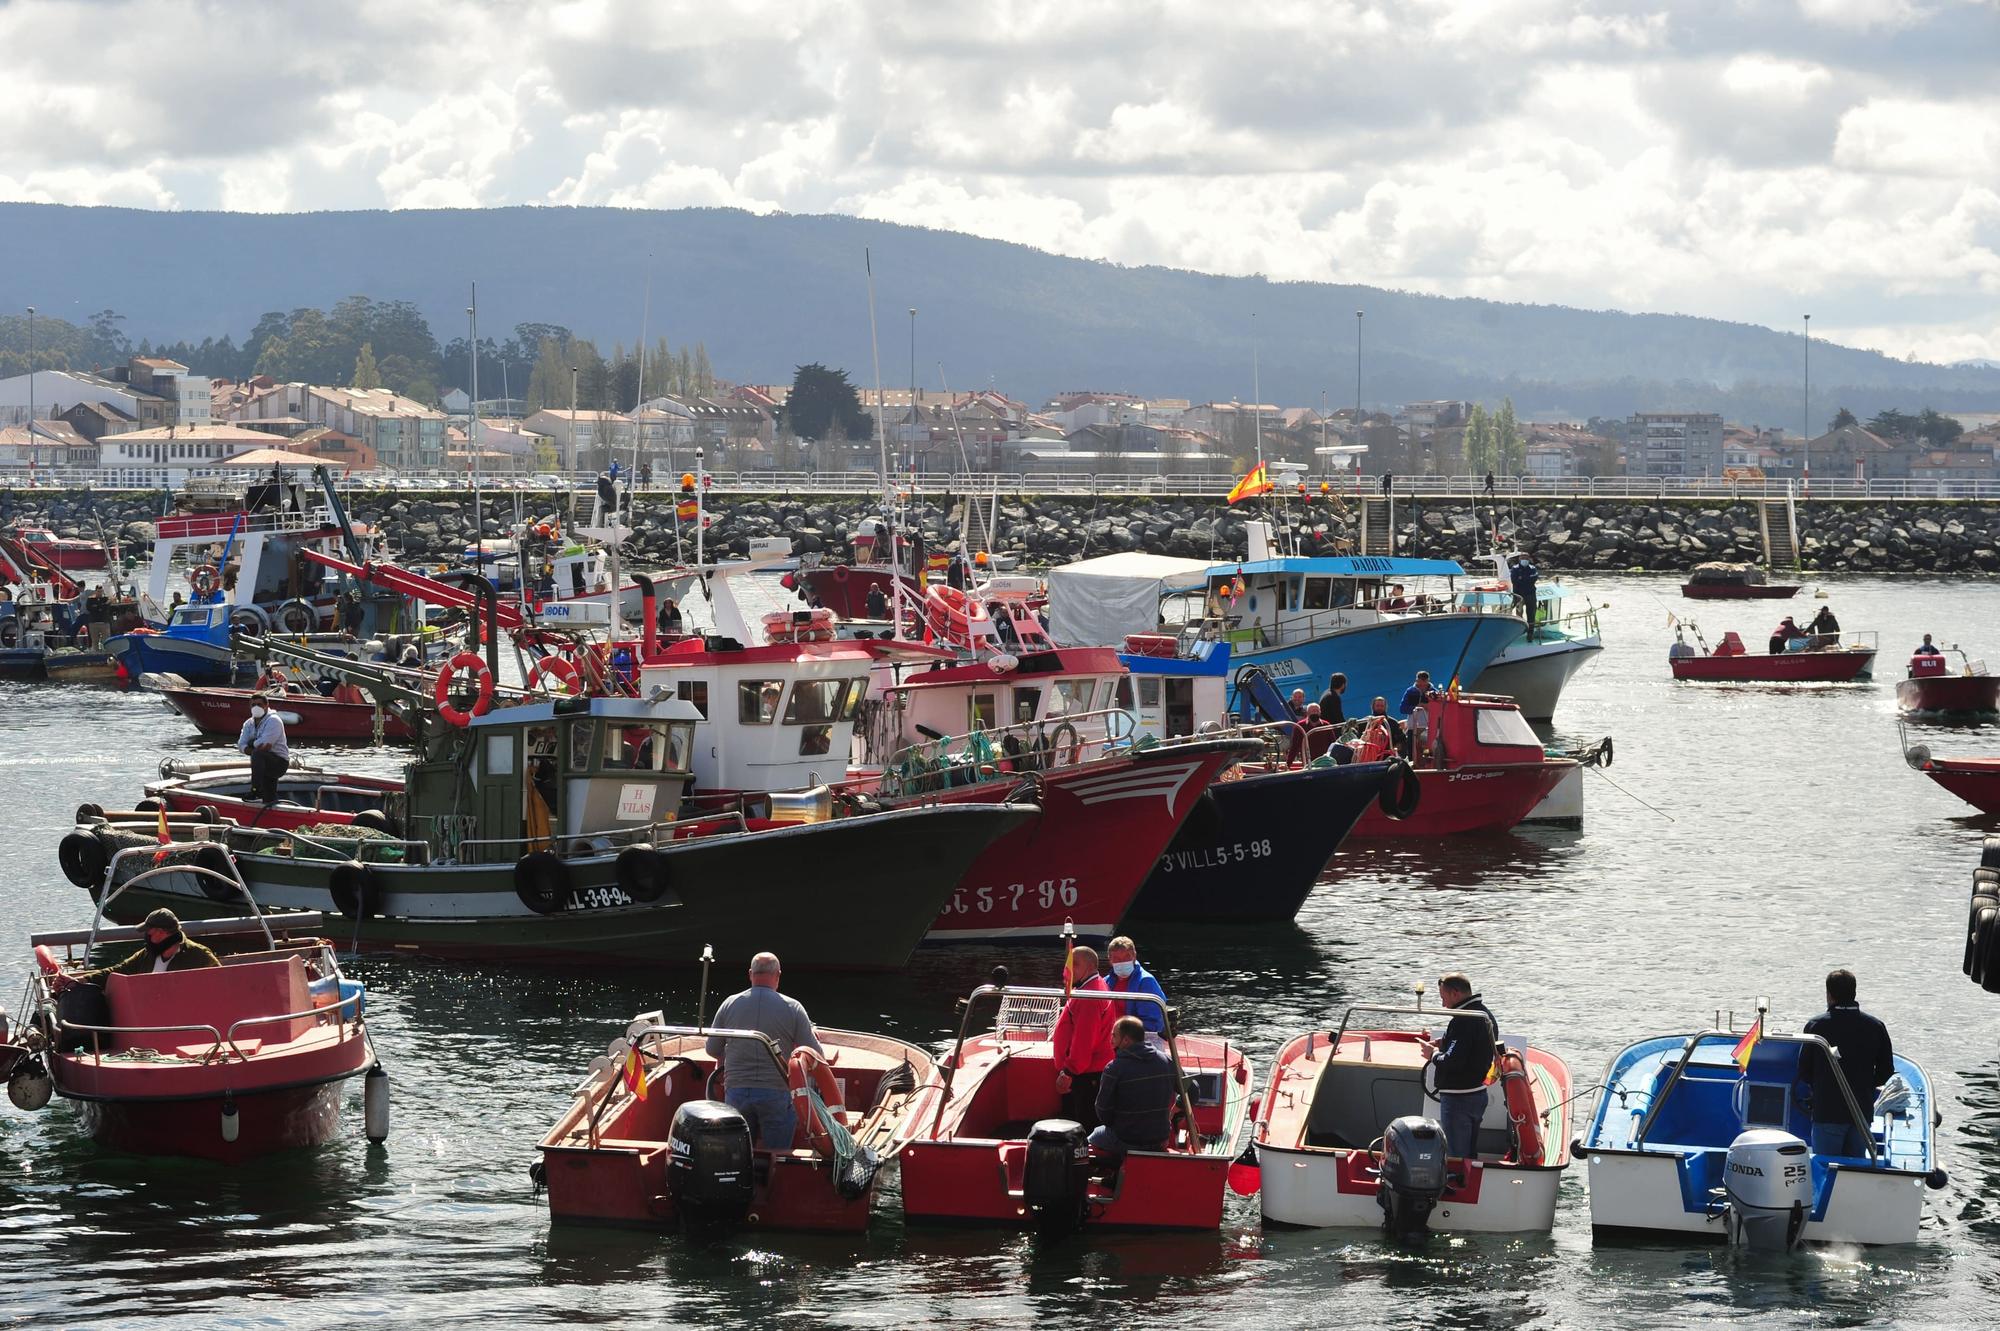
[(1755, 838)]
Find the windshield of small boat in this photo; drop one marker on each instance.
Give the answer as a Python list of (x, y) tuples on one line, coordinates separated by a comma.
[(1497, 726), (202, 615)]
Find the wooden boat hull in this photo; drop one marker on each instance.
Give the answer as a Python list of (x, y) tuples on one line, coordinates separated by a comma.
[(1474, 798), (307, 717), (849, 894), (1949, 695), (1731, 591), (1255, 852), (81, 667), (1827, 667)]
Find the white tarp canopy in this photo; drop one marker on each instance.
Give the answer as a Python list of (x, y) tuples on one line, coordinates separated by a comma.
[(1096, 602)]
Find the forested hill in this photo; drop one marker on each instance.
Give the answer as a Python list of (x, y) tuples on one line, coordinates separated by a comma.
[(767, 293)]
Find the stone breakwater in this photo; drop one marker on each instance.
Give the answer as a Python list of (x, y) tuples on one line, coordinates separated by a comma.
[(1877, 536)]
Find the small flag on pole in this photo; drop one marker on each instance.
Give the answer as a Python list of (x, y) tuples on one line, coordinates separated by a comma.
[(1258, 482), (635, 1072), (1744, 1046), (165, 836)]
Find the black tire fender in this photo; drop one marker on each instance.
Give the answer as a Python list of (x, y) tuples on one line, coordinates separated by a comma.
[(356, 890), (205, 813), (1989, 853), (376, 820), (89, 813), (1400, 792), (148, 806), (642, 874), (216, 860), (541, 881), (1607, 750), (83, 860), (1979, 939)]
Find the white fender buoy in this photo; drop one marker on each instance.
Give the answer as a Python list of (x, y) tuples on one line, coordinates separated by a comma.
[(375, 1103), (231, 1124)]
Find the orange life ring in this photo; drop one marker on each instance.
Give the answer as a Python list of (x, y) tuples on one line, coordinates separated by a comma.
[(803, 1065), (562, 670), (467, 661), (202, 580), (1520, 1094)]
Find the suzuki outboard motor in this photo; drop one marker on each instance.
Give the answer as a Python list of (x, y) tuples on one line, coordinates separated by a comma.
[(1767, 1190), (1413, 1176), (709, 1164), (1055, 1178)]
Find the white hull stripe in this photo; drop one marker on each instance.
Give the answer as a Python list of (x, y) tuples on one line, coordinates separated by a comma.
[(1138, 782)]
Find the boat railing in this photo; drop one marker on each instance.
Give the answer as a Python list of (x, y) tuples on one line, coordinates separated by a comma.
[(564, 843), (336, 1008), (1299, 626), (113, 889), (1826, 1052), (636, 1039), (955, 760), (1406, 1010)]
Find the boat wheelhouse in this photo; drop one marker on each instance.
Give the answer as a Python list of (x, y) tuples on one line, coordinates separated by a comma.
[(1562, 639)]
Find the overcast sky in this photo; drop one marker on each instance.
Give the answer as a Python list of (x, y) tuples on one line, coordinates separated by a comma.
[(1754, 160)]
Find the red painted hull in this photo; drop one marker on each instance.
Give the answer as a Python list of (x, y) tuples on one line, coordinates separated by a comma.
[(1733, 591), (1104, 824), (1478, 797), (72, 556), (306, 799), (1974, 780), (1835, 667), (843, 588), (1949, 693), (222, 711), (268, 1122)]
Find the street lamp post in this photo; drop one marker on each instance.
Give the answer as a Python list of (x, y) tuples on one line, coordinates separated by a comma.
[(34, 449), (572, 420), (472, 421), (1805, 433), (1357, 382), (913, 384)]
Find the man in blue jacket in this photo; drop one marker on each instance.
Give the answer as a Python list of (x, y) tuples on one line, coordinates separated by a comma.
[(1865, 1057), (1464, 1058), (1128, 976), (1135, 1096)]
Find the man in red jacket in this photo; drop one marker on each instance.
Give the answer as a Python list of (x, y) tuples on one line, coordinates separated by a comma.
[(1081, 1042)]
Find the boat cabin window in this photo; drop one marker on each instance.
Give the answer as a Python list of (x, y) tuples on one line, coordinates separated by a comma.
[(1105, 688), (1319, 594), (582, 735), (814, 701), (197, 614), (757, 701), (1149, 692), (849, 705), (1498, 727), (646, 746), (815, 740), (1071, 695), (499, 755), (694, 691), (1027, 704), (985, 712)]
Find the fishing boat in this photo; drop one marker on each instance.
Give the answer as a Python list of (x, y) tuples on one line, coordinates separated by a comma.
[(227, 1063), (1821, 658), (548, 833), (1717, 581), (1932, 689), (1534, 669), (883, 557), (70, 553), (1348, 1134), (34, 623), (988, 1145), (1976, 780), (1476, 767), (1704, 1134), (647, 1141), (1259, 837), (217, 791), (346, 716)]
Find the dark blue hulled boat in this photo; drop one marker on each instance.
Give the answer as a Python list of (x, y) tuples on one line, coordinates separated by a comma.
[(1258, 838)]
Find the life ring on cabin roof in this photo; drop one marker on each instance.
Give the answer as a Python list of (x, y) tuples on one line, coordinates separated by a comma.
[(559, 668), (804, 1064), (1520, 1096), (482, 678)]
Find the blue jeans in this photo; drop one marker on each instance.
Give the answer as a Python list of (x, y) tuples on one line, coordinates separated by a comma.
[(1459, 1113), (1842, 1138), (772, 1119)]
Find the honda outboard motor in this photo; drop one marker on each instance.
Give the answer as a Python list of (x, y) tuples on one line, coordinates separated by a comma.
[(1767, 1190), (1055, 1178), (709, 1164), (1413, 1176)]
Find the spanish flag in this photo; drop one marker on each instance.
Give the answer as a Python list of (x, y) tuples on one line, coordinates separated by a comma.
[(165, 836), (1741, 1054), (687, 510), (1258, 482), (635, 1072)]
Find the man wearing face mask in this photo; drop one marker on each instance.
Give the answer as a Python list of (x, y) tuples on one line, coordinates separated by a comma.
[(166, 949), (263, 738), (1128, 976)]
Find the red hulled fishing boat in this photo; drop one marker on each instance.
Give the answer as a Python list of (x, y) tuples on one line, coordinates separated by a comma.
[(987, 1144), (1932, 688), (1974, 780), (220, 792), (345, 717), (65, 552), (647, 1141), (1734, 582), (1476, 766), (1822, 659)]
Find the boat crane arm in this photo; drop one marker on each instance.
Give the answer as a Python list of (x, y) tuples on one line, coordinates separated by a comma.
[(416, 586)]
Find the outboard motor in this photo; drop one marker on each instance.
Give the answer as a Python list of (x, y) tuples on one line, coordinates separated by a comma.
[(1413, 1175), (1055, 1178), (1767, 1190), (709, 1164)]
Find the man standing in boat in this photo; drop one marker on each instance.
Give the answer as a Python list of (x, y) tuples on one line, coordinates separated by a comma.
[(263, 738), (1081, 1041), (1928, 648), (1463, 1059), (755, 1086), (1129, 977), (1864, 1056)]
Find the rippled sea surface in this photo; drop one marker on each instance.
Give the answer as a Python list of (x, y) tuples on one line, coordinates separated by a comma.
[(1785, 837)]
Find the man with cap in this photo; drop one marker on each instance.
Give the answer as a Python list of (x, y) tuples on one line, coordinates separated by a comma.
[(167, 949), (754, 1085), (263, 738)]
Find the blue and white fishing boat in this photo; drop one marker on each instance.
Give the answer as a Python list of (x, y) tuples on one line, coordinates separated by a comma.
[(1534, 668), (1708, 1135), (1376, 619)]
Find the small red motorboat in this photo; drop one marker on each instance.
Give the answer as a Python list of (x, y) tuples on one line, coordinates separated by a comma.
[(987, 1143), (346, 717), (223, 1063), (220, 792), (1477, 767), (1821, 659), (1932, 688), (647, 1140), (1734, 582), (1974, 780), (65, 552)]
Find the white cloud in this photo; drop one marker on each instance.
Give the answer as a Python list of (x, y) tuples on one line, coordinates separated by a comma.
[(1595, 153)]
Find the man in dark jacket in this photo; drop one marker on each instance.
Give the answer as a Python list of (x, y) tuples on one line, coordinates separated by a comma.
[(1861, 1045), (1135, 1097), (1330, 705), (167, 949), (1463, 1059)]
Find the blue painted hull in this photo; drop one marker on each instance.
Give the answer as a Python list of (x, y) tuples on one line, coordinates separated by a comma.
[(1257, 855), (193, 660), (1381, 659), (20, 663)]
